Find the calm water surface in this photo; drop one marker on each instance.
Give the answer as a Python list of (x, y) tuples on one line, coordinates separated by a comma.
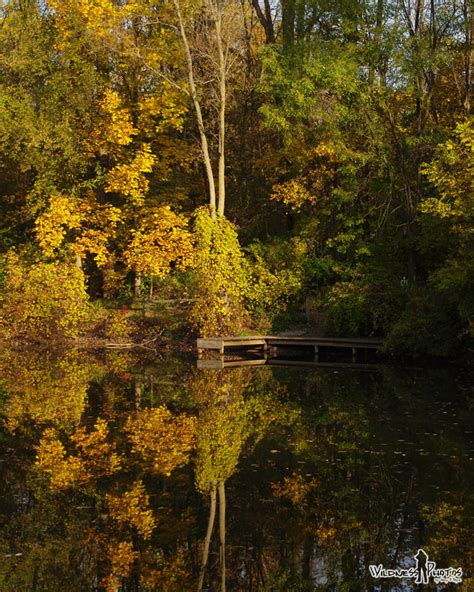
[(121, 475)]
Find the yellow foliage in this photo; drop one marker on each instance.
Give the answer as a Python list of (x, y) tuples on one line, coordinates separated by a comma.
[(293, 194), (94, 457), (96, 452), (162, 440), (52, 225), (163, 111), (121, 557), (93, 226), (295, 488), (114, 128), (167, 574), (51, 459), (45, 389), (129, 180), (133, 508), (451, 172), (320, 165), (43, 300), (222, 276), (161, 241)]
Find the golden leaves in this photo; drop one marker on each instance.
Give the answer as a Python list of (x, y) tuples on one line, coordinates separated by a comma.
[(133, 508), (121, 557), (52, 460), (114, 126), (44, 388), (293, 194), (162, 440), (97, 453), (43, 300), (88, 224), (295, 488), (95, 457), (129, 180), (161, 241), (52, 225)]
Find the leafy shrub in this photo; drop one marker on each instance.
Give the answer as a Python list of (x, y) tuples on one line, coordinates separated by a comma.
[(43, 300), (348, 311), (220, 278), (430, 325)]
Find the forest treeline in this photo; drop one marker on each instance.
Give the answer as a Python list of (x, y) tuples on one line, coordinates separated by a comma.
[(254, 156)]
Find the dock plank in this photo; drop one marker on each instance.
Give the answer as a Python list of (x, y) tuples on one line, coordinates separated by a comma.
[(275, 341)]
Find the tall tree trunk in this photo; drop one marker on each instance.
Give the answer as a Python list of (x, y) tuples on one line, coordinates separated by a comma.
[(469, 35), (222, 107), (197, 108), (265, 19), (288, 21)]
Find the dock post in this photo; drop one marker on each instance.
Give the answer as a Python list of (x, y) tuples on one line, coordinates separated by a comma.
[(354, 354), (221, 351), (316, 353), (200, 352), (265, 350)]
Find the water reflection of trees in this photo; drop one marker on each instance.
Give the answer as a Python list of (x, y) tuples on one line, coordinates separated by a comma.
[(310, 477)]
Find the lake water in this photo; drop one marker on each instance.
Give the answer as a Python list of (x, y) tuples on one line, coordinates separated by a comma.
[(124, 474)]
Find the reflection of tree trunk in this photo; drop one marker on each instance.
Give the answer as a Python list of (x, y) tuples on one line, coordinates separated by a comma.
[(138, 394), (138, 284), (222, 509), (207, 540), (307, 556)]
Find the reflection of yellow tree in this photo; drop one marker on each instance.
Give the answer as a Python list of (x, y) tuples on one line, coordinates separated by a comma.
[(94, 457), (163, 441), (160, 442), (45, 388), (227, 420)]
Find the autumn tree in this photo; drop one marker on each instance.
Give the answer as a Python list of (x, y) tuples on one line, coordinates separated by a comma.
[(211, 33)]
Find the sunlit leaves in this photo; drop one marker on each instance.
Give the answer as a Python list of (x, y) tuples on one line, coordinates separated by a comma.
[(52, 226), (162, 440), (121, 557), (114, 125), (133, 508), (93, 457), (129, 178), (43, 300), (83, 225), (45, 389), (51, 458), (221, 277), (452, 173), (161, 243)]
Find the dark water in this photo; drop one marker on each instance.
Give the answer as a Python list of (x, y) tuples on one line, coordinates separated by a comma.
[(306, 475)]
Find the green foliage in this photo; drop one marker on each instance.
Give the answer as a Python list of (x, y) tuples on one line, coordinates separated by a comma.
[(43, 301), (349, 312), (277, 274), (295, 85), (430, 325), (220, 278)]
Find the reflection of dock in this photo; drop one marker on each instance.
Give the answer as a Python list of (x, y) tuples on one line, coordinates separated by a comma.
[(272, 344), (221, 363)]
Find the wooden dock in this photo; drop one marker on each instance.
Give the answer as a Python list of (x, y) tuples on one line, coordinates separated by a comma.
[(268, 344)]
